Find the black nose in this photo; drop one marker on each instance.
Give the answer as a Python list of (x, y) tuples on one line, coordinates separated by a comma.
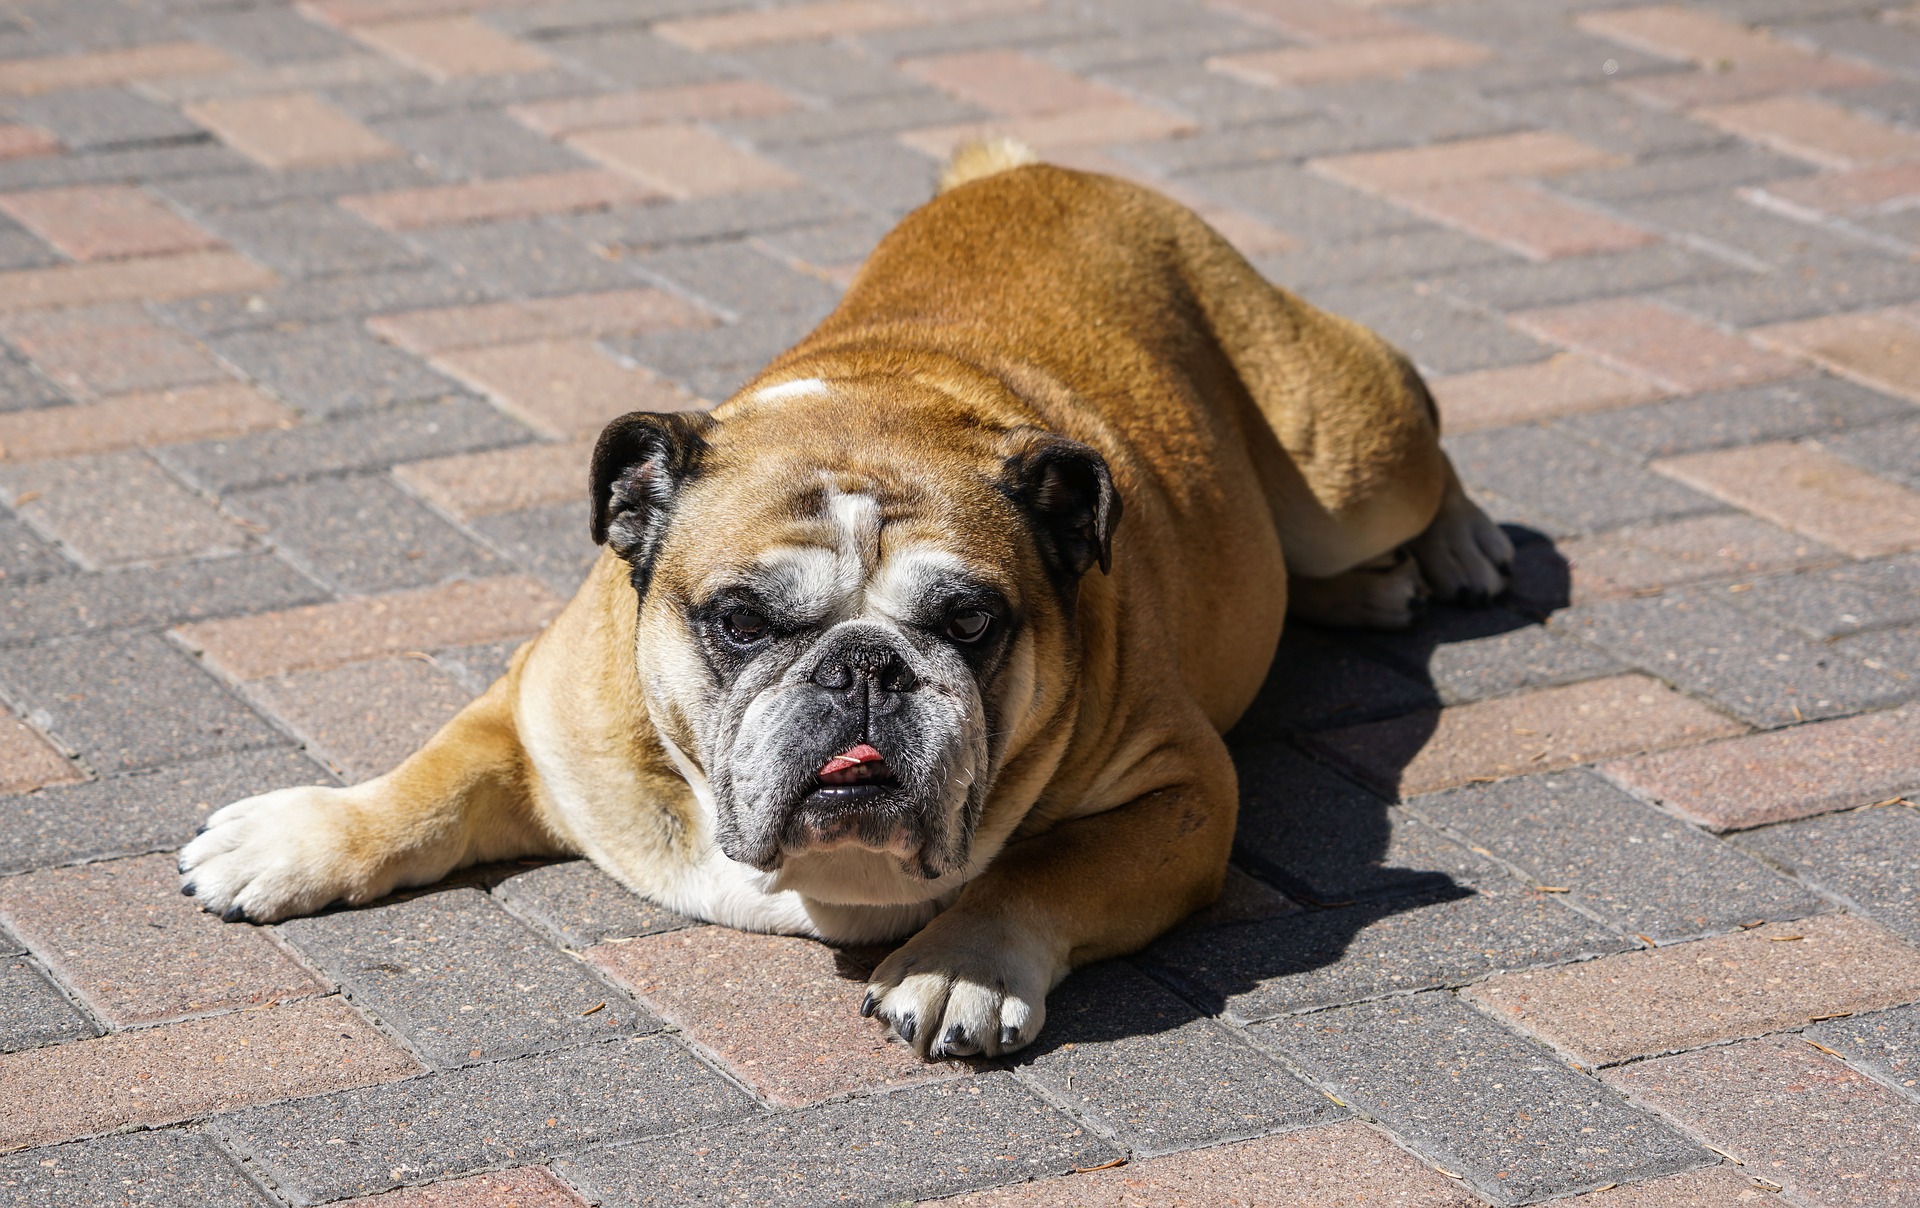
[(871, 667)]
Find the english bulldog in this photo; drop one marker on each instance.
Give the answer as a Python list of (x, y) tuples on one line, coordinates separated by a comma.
[(930, 632)]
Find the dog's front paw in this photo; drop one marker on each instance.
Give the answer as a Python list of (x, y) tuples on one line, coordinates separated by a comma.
[(280, 854), (964, 986)]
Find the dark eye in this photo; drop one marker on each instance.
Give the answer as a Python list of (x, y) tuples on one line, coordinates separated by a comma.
[(969, 626), (744, 626)]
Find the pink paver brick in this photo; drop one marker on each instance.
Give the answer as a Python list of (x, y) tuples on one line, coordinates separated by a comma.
[(1531, 732), (521, 1187), (1791, 1114), (683, 161), (1728, 987), (111, 509), (1566, 384), (121, 935), (1677, 352), (797, 23), (1493, 157), (1655, 556), (1682, 33), (364, 718), (1856, 191), (367, 12), (137, 420), (296, 130), (28, 761), (1880, 349), (1807, 489), (448, 48), (1125, 123), (358, 69), (1339, 1166), (1316, 20), (654, 106), (1370, 58), (196, 1068), (1525, 218), (500, 480), (463, 613), (1010, 83), (30, 77), (1814, 130), (600, 314), (561, 388), (493, 200), (21, 142), (150, 278), (775, 1009), (1786, 774), (1750, 80), (1724, 1186), (109, 350), (104, 222)]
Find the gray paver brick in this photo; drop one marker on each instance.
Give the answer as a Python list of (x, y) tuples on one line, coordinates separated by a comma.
[(1886, 1043), (676, 351), (874, 115), (349, 297), (1758, 670), (114, 508), (1392, 255), (826, 70), (411, 96), (1257, 146), (128, 701), (635, 59), (1896, 651), (1892, 449), (1035, 28), (1192, 91), (1319, 680), (1188, 40), (33, 1013), (464, 980), (94, 119), (1642, 871), (704, 218), (181, 591), (1807, 406), (1614, 123), (478, 145), (1389, 112), (310, 237), (1304, 205), (583, 905), (162, 1168), (363, 534), (263, 187), (478, 1118), (24, 556), (525, 257), (914, 1144), (22, 388), (735, 276), (552, 541), (1472, 654), (1830, 602), (842, 241), (327, 368), (1804, 288), (872, 170), (1565, 485), (1864, 857), (1514, 285), (477, 666), (18, 249), (1438, 333), (270, 35), (1122, 1050), (1434, 1071), (130, 165), (1687, 172), (140, 813)]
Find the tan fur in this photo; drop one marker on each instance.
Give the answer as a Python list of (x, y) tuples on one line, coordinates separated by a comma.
[(1249, 435), (982, 158)]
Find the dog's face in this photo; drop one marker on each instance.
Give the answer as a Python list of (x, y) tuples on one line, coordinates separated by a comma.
[(845, 610)]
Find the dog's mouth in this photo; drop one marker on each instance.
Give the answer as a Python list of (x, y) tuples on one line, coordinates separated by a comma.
[(856, 774)]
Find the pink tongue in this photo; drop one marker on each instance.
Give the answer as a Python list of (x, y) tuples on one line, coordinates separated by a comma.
[(852, 757)]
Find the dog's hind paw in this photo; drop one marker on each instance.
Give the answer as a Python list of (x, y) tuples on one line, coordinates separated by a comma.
[(1464, 556)]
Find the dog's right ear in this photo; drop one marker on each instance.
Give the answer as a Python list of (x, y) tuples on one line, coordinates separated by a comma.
[(640, 464)]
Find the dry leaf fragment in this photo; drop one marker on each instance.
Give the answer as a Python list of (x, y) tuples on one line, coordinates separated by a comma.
[(1103, 1166), (1823, 1048)]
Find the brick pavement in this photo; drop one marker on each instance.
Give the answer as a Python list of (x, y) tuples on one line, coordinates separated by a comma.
[(1610, 895)]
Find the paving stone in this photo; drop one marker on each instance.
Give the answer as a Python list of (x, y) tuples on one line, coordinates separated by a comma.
[(1669, 999), (1348, 686), (915, 1144), (1896, 651), (1858, 191), (321, 299), (523, 258), (1526, 219), (1351, 60), (615, 312), (453, 614), (193, 1068), (311, 237), (93, 119), (1335, 1166), (409, 94), (363, 719), (636, 59), (583, 905), (28, 761), (477, 666), (1440, 335), (1813, 129), (1539, 731), (142, 419), (355, 441), (295, 130), (1762, 672), (1009, 82), (520, 1187), (21, 388), (483, 1116), (852, 119), (463, 980), (503, 480), (450, 47), (1830, 1135), (268, 36), (1390, 255), (1880, 350), (153, 1169), (1804, 287), (735, 276), (487, 201), (1885, 1042), (1566, 384), (19, 140), (781, 1012), (145, 164), (1508, 285), (1431, 1068), (1641, 872), (470, 145), (1806, 406), (1656, 342), (682, 161), (1731, 227), (705, 218), (1525, 153), (105, 350), (104, 222), (1890, 450), (250, 186), (139, 953), (1648, 559), (1864, 857), (31, 77), (716, 100), (362, 534), (24, 556), (1299, 202), (1832, 602), (71, 604), (1565, 485), (115, 508), (801, 23), (562, 388), (1476, 654), (327, 368), (1124, 1052), (880, 173), (33, 1014)]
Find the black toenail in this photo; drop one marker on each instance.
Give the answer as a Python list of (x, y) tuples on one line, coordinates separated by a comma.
[(234, 914), (189, 889), (1009, 1036), (868, 1005), (201, 829), (956, 1035), (908, 1027)]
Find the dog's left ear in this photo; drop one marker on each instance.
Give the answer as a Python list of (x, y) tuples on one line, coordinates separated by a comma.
[(640, 464), (1068, 490)]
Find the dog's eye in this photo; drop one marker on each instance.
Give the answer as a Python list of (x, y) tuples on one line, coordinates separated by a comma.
[(744, 626), (969, 626)]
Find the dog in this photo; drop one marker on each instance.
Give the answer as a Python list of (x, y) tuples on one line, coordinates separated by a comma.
[(845, 667)]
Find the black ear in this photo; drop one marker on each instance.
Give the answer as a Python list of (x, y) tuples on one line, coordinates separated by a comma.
[(639, 465), (1068, 490)]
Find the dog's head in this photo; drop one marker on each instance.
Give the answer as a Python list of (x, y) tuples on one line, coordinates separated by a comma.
[(853, 597)]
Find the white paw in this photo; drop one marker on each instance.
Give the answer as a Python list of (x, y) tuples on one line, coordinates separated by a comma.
[(283, 853), (964, 989), (1464, 556)]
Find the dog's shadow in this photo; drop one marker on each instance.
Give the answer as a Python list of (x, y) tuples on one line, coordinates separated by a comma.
[(1320, 854)]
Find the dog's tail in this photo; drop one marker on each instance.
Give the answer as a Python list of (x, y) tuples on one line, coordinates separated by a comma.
[(984, 157)]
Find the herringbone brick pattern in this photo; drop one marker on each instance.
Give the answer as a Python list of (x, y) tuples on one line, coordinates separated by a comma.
[(1610, 894)]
